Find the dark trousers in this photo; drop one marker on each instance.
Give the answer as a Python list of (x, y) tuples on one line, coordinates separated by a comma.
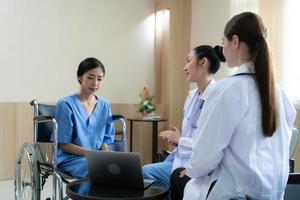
[(178, 184)]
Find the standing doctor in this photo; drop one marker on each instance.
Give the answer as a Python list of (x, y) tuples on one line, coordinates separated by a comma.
[(242, 146)]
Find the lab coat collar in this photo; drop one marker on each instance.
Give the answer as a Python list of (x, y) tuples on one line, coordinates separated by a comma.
[(245, 68), (206, 91)]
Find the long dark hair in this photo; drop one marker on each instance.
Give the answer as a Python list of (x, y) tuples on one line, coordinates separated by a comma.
[(214, 55), (250, 30)]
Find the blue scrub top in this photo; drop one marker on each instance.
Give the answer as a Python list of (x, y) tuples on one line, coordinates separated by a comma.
[(74, 126)]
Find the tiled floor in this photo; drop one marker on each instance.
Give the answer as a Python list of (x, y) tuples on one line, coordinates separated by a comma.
[(7, 189)]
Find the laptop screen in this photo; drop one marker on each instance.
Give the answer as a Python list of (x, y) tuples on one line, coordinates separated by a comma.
[(115, 168)]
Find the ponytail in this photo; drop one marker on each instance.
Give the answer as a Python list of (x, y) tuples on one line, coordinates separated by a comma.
[(266, 87), (250, 30)]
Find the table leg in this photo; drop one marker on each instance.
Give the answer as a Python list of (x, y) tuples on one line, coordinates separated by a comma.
[(154, 141), (131, 124)]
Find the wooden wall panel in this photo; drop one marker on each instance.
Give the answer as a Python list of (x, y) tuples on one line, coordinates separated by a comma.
[(24, 124), (7, 139), (142, 131)]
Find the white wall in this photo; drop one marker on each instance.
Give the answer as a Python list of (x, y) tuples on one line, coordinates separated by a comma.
[(209, 18), (43, 41)]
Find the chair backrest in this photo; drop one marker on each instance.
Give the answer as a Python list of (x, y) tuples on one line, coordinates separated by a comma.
[(44, 130), (294, 141), (292, 190)]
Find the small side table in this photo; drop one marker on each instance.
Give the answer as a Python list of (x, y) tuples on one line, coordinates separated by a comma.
[(154, 122)]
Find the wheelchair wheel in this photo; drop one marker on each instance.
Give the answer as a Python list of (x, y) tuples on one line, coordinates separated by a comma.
[(27, 177)]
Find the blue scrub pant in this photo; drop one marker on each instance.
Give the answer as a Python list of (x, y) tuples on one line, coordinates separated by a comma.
[(159, 171), (76, 167)]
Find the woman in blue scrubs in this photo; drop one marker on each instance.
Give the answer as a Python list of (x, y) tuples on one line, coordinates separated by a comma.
[(84, 120)]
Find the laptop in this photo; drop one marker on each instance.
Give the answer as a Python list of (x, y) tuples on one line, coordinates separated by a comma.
[(111, 168)]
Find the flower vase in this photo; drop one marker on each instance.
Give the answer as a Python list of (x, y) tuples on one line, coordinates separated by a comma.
[(148, 115)]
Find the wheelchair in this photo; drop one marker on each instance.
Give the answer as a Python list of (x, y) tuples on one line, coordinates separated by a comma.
[(36, 160)]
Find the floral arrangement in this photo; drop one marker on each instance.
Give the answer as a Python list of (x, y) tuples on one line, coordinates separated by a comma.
[(146, 105)]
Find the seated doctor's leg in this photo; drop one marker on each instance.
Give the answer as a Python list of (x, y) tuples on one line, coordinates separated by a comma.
[(178, 184), (158, 171), (76, 167)]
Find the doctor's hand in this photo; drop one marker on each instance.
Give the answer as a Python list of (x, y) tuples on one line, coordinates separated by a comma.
[(182, 173), (172, 135)]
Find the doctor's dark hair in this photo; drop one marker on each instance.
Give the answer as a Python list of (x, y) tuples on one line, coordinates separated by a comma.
[(88, 64), (249, 28), (212, 54)]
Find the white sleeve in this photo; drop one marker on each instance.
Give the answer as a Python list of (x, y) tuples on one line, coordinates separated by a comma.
[(187, 101), (184, 149), (290, 112), (219, 117)]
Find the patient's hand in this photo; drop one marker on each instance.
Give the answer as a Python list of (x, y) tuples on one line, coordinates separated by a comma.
[(104, 147), (172, 135)]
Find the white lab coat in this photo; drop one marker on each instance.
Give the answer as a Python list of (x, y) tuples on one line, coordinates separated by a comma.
[(184, 150), (231, 148)]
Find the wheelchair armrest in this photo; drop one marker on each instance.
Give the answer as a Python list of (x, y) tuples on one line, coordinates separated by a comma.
[(43, 118), (65, 176), (117, 116)]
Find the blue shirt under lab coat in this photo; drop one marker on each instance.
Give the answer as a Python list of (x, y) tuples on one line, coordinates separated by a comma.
[(89, 132)]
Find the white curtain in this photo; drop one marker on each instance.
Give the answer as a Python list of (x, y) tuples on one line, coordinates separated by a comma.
[(238, 6), (290, 67)]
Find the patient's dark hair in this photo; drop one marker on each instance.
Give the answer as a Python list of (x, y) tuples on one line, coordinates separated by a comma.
[(88, 64), (214, 55)]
